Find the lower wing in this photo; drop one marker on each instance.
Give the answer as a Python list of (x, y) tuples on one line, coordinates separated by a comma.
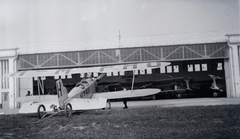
[(36, 98), (126, 93), (177, 91), (76, 103), (88, 104), (32, 107)]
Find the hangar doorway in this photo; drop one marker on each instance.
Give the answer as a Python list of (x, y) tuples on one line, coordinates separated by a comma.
[(194, 61), (197, 71)]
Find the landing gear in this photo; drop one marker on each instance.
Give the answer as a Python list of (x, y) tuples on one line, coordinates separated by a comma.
[(43, 114), (179, 95), (215, 94), (68, 110), (109, 104), (41, 111)]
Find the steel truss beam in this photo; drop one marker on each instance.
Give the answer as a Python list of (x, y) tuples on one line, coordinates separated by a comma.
[(116, 60), (124, 55)]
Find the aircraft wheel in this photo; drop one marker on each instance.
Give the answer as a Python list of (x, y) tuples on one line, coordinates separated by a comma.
[(41, 111), (215, 94), (179, 95), (68, 110)]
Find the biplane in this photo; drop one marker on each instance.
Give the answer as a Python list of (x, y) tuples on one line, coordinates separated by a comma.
[(83, 96), (170, 86), (206, 88), (214, 87), (215, 90), (179, 86)]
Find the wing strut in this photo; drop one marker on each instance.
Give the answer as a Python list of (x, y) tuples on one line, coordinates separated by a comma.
[(133, 80), (40, 84), (99, 77)]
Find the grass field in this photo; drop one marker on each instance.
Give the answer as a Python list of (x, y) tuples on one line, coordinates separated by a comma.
[(211, 122)]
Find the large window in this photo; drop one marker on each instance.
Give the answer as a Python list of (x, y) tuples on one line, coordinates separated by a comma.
[(4, 66)]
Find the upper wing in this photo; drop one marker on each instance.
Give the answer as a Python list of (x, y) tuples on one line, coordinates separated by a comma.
[(214, 76), (104, 69), (176, 91)]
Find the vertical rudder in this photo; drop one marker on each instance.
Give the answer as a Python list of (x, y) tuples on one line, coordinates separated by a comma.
[(62, 93)]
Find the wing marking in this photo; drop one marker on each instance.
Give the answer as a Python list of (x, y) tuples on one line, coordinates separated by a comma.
[(104, 69)]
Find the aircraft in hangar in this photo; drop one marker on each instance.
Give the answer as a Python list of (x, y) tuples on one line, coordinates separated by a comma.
[(170, 86), (83, 96)]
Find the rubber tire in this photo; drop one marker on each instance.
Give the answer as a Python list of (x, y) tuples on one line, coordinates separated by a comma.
[(40, 115), (179, 96), (68, 110), (215, 94)]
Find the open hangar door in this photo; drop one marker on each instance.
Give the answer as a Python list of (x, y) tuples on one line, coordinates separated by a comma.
[(49, 84), (196, 71), (207, 77), (199, 75)]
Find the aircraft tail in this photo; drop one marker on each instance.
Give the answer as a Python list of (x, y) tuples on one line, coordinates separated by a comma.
[(62, 93)]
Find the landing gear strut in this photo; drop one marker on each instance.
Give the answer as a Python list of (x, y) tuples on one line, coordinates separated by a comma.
[(42, 113)]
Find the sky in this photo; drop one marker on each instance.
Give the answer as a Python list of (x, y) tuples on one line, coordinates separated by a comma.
[(46, 21)]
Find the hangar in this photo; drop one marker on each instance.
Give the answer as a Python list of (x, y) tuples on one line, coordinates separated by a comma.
[(191, 55)]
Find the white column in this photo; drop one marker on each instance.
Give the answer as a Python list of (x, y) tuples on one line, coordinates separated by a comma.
[(0, 83), (11, 83), (235, 69), (228, 78), (9, 55), (234, 58)]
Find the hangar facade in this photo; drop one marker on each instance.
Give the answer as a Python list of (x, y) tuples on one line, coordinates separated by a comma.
[(191, 55)]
